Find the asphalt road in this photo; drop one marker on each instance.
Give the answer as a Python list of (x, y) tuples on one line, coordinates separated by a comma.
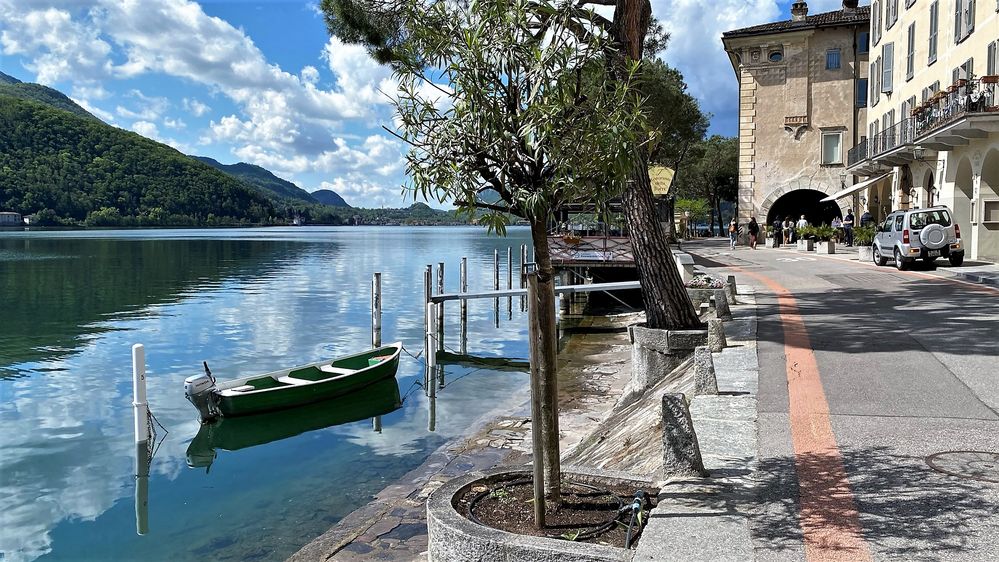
[(906, 366)]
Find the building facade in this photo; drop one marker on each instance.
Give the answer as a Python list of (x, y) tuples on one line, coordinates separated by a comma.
[(803, 87), (932, 130)]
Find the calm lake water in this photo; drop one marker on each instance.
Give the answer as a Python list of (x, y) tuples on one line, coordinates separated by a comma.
[(245, 301)]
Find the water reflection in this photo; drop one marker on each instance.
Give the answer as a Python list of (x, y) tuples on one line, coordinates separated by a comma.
[(233, 434)]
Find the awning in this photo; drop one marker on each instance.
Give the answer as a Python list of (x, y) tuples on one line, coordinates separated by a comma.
[(855, 188)]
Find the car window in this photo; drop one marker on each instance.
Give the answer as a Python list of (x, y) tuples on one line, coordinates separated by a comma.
[(886, 227), (924, 218), (898, 223)]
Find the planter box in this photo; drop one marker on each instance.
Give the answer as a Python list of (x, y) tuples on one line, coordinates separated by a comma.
[(806, 245), (825, 247), (865, 253), (454, 538), (771, 243), (697, 296)]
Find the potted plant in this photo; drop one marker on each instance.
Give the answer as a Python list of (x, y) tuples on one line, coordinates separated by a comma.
[(826, 236), (806, 239), (863, 238)]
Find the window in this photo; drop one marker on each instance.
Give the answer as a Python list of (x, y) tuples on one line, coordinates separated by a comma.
[(862, 92), (964, 19), (910, 53), (864, 42), (909, 3), (891, 16), (776, 56), (875, 22), (898, 223), (990, 65), (887, 59), (934, 26), (832, 59), (832, 148), (990, 211), (875, 81)]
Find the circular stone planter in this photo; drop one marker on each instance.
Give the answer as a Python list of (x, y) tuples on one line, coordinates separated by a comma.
[(455, 538)]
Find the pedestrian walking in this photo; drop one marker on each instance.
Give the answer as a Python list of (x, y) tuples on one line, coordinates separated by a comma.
[(866, 219), (754, 232), (733, 232), (778, 232), (802, 222), (848, 227), (788, 229)]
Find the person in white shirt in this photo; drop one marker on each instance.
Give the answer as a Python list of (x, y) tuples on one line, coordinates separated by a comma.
[(802, 223)]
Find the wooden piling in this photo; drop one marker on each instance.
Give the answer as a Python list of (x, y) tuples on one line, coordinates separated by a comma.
[(463, 274), (440, 306)]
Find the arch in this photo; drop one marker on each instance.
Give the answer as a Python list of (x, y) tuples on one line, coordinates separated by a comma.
[(766, 206), (905, 199), (806, 202), (963, 193), (987, 245)]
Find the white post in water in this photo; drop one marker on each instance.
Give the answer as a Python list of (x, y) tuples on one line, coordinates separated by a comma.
[(431, 335), (496, 285), (376, 310), (142, 488), (140, 409), (440, 306)]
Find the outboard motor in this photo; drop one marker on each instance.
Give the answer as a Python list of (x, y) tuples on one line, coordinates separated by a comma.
[(200, 390)]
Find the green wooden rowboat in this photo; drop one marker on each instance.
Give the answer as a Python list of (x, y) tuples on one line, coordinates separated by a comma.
[(292, 387), (233, 434)]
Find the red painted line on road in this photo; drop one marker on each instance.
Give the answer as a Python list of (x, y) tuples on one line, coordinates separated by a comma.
[(830, 522)]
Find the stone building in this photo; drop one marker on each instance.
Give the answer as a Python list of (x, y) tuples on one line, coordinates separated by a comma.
[(802, 104), (933, 118)]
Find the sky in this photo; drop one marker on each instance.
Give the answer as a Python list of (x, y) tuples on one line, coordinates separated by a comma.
[(261, 81)]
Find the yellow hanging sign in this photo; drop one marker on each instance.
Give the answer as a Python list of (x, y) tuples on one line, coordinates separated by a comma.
[(661, 178)]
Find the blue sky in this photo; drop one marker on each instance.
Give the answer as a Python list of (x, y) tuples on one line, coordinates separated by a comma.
[(262, 81)]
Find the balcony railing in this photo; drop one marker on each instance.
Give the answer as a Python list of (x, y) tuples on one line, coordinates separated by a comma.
[(961, 99), (857, 154)]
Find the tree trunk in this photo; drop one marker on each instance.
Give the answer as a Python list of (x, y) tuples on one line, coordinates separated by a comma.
[(667, 304), (721, 221), (543, 365)]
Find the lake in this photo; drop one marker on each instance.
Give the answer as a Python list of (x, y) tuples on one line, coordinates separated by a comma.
[(245, 301)]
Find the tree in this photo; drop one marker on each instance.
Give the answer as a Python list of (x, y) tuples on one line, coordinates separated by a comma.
[(712, 174), (494, 98)]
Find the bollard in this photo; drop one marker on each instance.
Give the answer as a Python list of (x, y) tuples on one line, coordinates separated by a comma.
[(140, 409), (716, 335), (732, 289), (705, 381), (376, 310), (722, 311), (376, 424), (681, 453), (142, 462)]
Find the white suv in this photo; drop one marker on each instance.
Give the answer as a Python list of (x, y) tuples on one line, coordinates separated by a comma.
[(925, 234)]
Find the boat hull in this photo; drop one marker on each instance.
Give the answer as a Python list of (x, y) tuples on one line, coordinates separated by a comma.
[(290, 396)]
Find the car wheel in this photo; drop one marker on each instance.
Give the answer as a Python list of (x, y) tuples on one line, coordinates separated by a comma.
[(900, 263), (879, 260), (957, 260)]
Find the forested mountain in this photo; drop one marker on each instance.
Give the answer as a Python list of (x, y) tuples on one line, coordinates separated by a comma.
[(10, 86), (329, 197), (262, 178), (63, 167)]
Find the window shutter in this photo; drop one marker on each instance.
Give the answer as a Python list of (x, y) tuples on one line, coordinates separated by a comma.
[(990, 66), (910, 55), (969, 17), (934, 25), (888, 56), (958, 21)]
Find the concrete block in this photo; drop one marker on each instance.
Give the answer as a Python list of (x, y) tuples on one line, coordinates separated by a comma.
[(733, 290), (828, 247), (705, 381), (806, 245), (703, 309), (681, 453), (686, 341), (716, 335), (722, 309), (656, 353)]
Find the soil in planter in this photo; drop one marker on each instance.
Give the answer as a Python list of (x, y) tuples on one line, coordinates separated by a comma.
[(589, 513)]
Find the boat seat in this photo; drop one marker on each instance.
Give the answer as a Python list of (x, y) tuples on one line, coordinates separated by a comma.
[(292, 380), (335, 370), (244, 388)]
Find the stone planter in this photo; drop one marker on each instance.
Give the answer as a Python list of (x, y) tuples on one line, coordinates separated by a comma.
[(698, 296), (865, 253), (455, 538), (806, 245), (655, 353), (825, 247), (771, 243)]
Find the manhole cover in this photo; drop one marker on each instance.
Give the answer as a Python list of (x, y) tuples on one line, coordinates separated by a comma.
[(977, 465)]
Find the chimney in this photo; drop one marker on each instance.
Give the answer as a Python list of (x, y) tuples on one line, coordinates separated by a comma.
[(850, 6), (799, 10)]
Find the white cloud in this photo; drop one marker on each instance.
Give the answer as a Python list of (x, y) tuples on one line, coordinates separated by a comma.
[(174, 123), (146, 129), (56, 46), (195, 107)]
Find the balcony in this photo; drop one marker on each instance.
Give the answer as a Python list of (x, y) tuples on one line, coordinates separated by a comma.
[(969, 109)]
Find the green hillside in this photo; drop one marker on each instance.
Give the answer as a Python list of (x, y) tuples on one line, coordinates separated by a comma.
[(10, 86), (329, 197), (68, 168), (262, 178)]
